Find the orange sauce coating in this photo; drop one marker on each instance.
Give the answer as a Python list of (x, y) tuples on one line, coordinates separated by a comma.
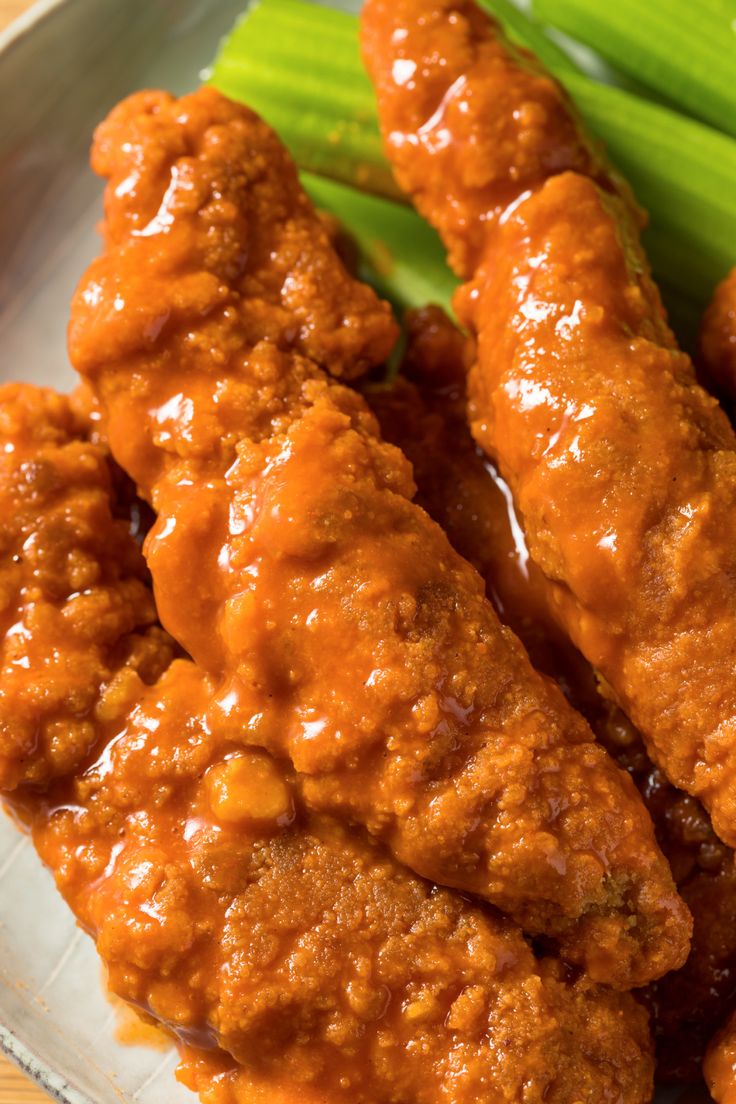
[(423, 413), (623, 469), (222, 909), (75, 611), (343, 632)]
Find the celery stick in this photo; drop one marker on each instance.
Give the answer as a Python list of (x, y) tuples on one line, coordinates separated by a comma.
[(314, 93), (684, 50), (398, 252), (683, 172), (308, 82), (326, 23), (526, 31), (557, 51)]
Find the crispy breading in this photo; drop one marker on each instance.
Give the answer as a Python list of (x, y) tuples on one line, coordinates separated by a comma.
[(622, 467), (224, 911), (299, 946), (288, 559), (423, 412), (78, 618)]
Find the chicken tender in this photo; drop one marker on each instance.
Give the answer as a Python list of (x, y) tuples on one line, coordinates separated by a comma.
[(593, 1028), (300, 947), (224, 911), (622, 467), (342, 630), (423, 412)]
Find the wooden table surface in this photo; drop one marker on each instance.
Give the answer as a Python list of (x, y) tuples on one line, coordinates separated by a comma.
[(15, 1088)]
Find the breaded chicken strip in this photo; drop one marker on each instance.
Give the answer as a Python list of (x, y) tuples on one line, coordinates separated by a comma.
[(301, 948), (343, 631), (230, 916), (622, 467), (423, 413), (78, 618), (580, 1077)]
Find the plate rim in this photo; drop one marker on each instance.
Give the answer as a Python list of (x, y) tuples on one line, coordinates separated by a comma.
[(32, 1064)]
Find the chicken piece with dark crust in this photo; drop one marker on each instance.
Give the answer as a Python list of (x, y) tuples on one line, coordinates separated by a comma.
[(342, 629), (78, 618), (622, 467), (588, 1068)]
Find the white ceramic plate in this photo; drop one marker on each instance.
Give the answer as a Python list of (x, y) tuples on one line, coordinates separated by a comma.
[(61, 68)]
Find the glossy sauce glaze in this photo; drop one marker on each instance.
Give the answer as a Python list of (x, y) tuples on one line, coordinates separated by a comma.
[(342, 630), (622, 468), (231, 916), (424, 413), (76, 613), (297, 946)]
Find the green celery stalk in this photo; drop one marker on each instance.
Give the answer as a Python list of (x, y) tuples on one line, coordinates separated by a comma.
[(327, 21), (308, 82), (320, 138), (399, 254), (682, 172), (683, 49), (297, 64), (526, 31)]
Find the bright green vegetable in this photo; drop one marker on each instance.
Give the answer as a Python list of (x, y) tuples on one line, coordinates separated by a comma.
[(298, 65), (684, 49), (526, 31), (683, 173)]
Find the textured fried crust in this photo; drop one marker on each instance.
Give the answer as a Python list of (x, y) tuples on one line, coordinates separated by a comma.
[(302, 949), (78, 620), (231, 917), (423, 413), (622, 467), (588, 1068), (470, 122), (291, 564)]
